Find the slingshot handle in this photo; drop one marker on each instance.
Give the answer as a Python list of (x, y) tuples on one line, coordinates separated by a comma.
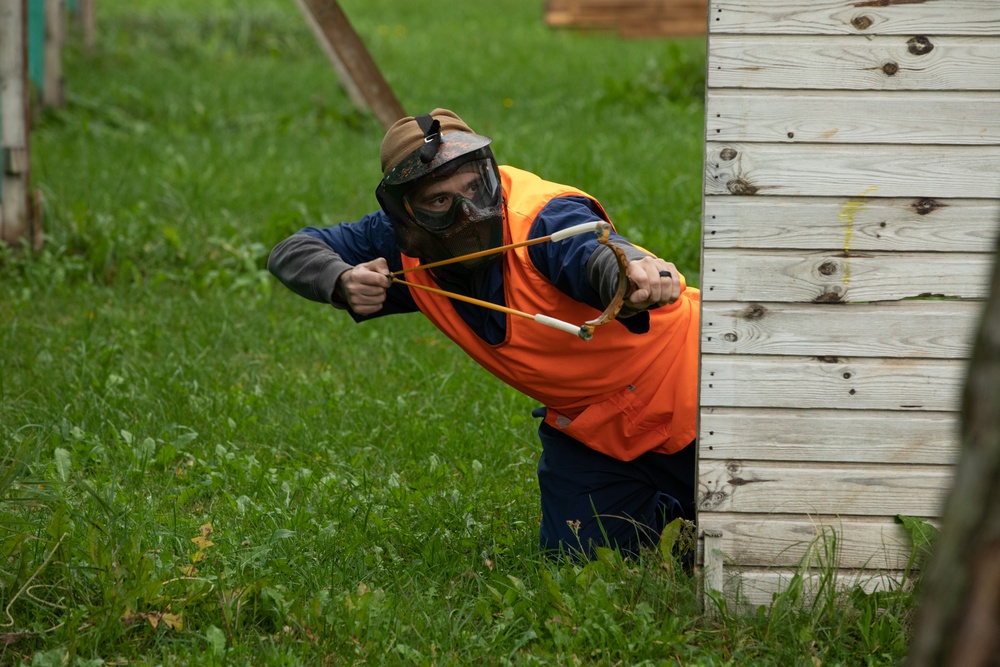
[(574, 329), (594, 226)]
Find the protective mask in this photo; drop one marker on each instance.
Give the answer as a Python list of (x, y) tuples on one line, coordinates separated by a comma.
[(455, 210)]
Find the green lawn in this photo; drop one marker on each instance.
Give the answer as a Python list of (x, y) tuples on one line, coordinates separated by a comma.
[(201, 468)]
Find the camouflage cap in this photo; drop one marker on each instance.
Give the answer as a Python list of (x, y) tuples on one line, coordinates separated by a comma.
[(402, 143)]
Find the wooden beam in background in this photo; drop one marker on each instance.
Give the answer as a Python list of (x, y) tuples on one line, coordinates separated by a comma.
[(351, 60), (14, 167), (55, 36), (631, 18), (86, 18)]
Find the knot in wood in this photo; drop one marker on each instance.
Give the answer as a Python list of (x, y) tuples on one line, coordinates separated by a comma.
[(919, 45), (754, 311), (862, 22), (731, 337), (728, 153), (890, 69), (828, 268), (738, 186), (712, 499), (926, 205), (830, 295)]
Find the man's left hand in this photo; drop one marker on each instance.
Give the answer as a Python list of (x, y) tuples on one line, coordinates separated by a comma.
[(656, 283)]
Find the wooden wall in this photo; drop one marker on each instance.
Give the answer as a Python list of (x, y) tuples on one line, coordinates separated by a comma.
[(852, 198)]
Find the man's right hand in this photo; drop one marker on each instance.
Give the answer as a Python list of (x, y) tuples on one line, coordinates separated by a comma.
[(363, 286)]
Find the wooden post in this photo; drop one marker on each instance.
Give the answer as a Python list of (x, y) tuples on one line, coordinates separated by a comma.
[(958, 623), (87, 16), (52, 88), (82, 12), (351, 60), (14, 218)]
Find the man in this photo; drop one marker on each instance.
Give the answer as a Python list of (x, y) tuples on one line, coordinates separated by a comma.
[(618, 459)]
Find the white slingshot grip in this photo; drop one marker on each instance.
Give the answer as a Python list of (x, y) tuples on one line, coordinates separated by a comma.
[(574, 329), (595, 226)]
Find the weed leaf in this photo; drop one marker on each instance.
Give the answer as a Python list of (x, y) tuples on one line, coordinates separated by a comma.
[(63, 463), (922, 533)]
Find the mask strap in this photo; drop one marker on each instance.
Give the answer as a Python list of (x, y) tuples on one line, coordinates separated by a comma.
[(431, 127)]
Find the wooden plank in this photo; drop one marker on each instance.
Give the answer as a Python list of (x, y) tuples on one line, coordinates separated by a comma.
[(831, 382), (900, 117), (855, 17), (351, 60), (853, 62), (852, 224), (609, 13), (907, 329), (809, 489), (676, 26), (857, 170), (643, 29), (817, 277), (711, 556), (927, 438), (14, 219), (750, 589), (765, 540)]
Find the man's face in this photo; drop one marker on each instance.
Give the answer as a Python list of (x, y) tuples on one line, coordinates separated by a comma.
[(437, 196), (453, 211)]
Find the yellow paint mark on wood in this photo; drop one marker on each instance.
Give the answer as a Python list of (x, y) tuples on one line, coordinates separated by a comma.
[(847, 214)]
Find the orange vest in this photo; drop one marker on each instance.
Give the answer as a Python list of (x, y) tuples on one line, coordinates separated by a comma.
[(620, 393)]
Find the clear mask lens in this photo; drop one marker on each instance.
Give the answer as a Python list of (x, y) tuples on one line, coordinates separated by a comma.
[(452, 193)]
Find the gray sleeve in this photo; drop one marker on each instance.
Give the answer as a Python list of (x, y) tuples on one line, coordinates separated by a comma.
[(602, 271), (308, 267)]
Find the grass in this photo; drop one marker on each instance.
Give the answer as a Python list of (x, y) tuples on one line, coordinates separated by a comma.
[(201, 468)]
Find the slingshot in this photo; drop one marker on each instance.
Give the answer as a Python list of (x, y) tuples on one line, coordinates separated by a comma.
[(586, 330)]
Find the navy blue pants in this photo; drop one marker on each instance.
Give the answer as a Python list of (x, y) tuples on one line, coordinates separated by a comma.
[(590, 499)]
